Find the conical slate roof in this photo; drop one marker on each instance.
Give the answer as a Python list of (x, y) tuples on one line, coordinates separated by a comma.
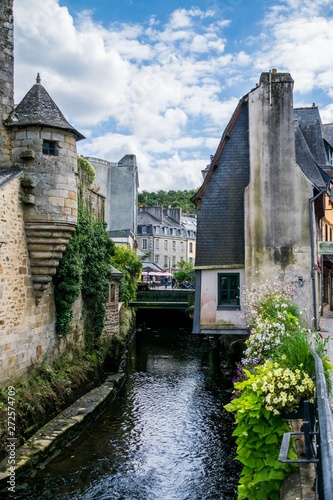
[(38, 108)]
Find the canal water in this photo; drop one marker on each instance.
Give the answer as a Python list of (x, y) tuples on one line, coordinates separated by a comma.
[(166, 435)]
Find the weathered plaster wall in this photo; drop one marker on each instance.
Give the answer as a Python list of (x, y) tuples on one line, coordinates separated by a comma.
[(211, 317), (277, 236), (118, 182)]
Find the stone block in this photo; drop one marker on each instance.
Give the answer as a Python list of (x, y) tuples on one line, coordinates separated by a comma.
[(32, 134), (57, 201), (56, 136), (71, 203)]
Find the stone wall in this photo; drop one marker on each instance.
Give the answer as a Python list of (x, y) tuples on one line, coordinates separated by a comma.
[(7, 77), (50, 181), (95, 201), (111, 325), (49, 196), (27, 332)]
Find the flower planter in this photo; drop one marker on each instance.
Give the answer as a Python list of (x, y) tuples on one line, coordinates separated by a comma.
[(304, 411)]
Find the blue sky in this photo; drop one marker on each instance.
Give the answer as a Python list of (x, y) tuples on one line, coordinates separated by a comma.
[(161, 79)]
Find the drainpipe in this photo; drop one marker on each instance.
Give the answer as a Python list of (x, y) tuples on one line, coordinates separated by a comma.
[(313, 253)]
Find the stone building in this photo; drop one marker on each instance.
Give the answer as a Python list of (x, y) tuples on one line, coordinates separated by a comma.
[(261, 207), (119, 183), (38, 216), (166, 235)]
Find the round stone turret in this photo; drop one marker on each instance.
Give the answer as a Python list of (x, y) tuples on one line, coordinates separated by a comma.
[(44, 144)]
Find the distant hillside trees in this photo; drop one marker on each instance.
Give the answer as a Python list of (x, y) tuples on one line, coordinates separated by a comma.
[(169, 199)]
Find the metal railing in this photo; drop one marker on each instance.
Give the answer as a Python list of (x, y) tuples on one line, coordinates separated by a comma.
[(317, 430)]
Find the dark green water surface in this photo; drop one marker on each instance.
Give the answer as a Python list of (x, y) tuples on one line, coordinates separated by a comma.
[(166, 436)]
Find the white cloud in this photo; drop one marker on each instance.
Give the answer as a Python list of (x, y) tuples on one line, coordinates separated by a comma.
[(300, 41), (166, 91)]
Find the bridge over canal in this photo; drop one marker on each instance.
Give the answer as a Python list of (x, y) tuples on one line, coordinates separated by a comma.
[(164, 299)]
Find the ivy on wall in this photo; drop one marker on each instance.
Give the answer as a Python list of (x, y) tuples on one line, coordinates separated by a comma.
[(86, 169), (85, 269), (96, 250), (68, 284)]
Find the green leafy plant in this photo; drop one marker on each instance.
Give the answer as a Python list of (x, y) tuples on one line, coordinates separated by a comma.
[(96, 250), (293, 351), (258, 438), (130, 265), (68, 284), (280, 388), (84, 269), (171, 198), (272, 318), (185, 272), (276, 374), (86, 169)]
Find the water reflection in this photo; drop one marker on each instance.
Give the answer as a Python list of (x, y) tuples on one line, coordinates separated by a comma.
[(165, 437)]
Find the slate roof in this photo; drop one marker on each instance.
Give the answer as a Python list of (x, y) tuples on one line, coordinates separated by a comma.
[(215, 159), (309, 143), (311, 127), (37, 108), (145, 218), (8, 174), (328, 133)]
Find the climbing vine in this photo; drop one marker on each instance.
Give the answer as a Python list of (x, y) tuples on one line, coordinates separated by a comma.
[(86, 169), (85, 268), (68, 284), (97, 248)]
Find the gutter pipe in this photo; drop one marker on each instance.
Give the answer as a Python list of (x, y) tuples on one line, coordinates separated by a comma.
[(312, 242)]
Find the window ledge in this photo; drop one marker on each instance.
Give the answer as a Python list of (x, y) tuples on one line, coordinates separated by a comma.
[(228, 308)]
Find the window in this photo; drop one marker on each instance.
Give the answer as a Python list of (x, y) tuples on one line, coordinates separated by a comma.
[(144, 229), (165, 261), (191, 247), (112, 293), (50, 148), (157, 258), (228, 290), (144, 244), (165, 244), (173, 261), (157, 244), (174, 246)]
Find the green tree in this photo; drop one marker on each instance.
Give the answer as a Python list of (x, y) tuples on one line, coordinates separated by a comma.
[(185, 272), (170, 198), (129, 264)]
